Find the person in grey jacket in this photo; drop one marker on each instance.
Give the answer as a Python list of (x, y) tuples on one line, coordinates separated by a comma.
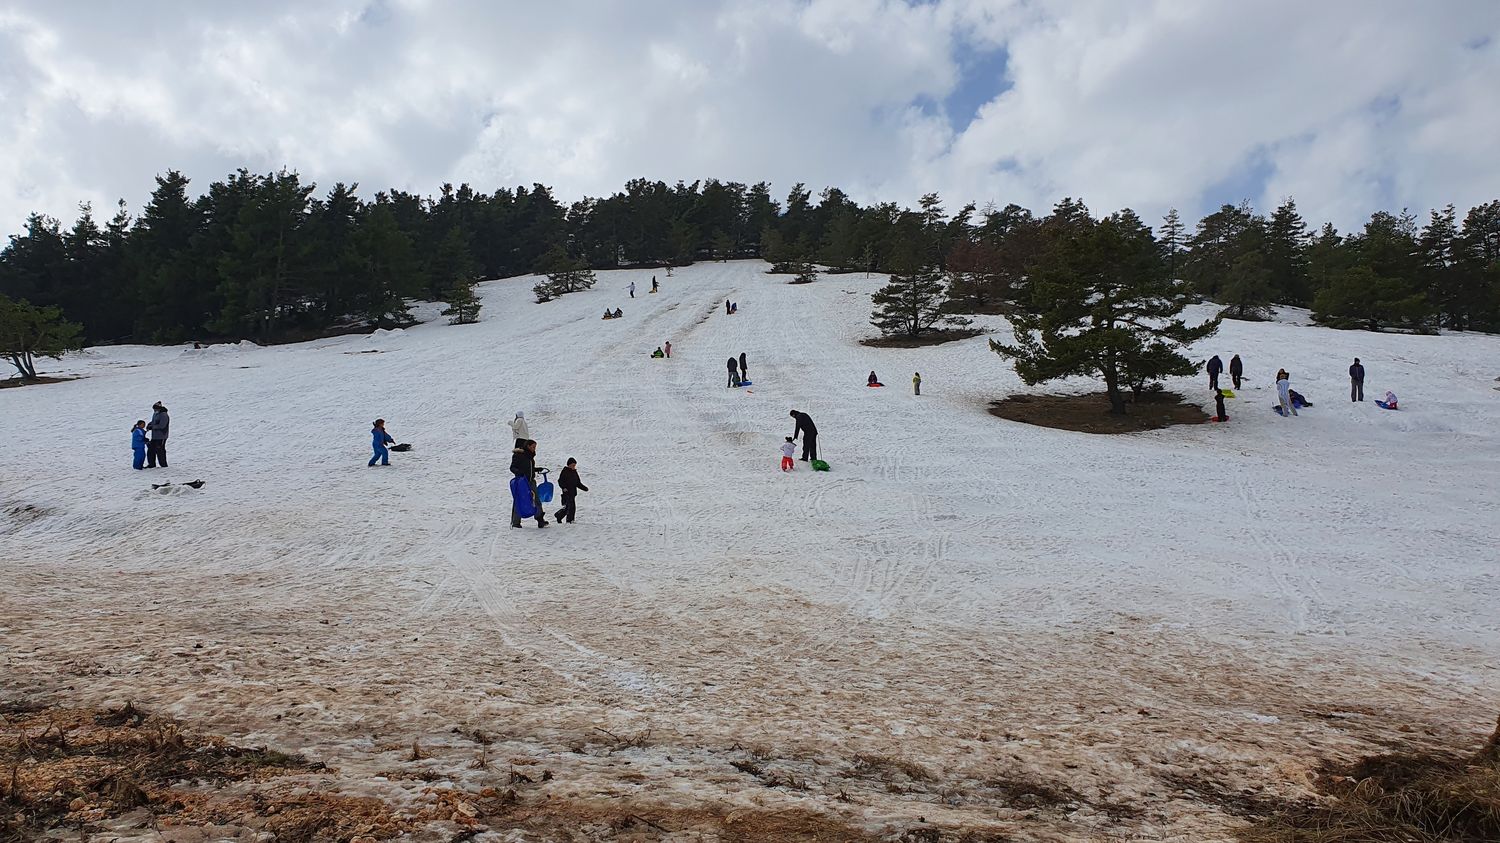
[(156, 447)]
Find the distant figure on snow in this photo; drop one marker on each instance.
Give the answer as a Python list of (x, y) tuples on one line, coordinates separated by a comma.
[(1236, 370), (619, 313), (1390, 400), (809, 433), (608, 314), (788, 450), (744, 371), (653, 284), (156, 448), (523, 464), (1215, 367), (726, 307), (873, 381), (519, 427), (669, 348), (916, 383), (571, 486), (631, 288), (658, 353), (138, 444), (734, 372), (1283, 392), (734, 307), (378, 440), (1219, 414), (1356, 381), (1298, 399)]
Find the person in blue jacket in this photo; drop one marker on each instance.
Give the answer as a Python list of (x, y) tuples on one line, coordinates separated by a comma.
[(138, 444), (378, 440)]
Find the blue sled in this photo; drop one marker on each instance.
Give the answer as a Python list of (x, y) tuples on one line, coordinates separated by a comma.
[(520, 493), (1384, 406)]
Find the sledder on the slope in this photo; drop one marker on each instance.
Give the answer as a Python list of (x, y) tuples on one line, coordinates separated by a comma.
[(658, 353), (1389, 403), (1219, 414), (872, 380), (379, 439)]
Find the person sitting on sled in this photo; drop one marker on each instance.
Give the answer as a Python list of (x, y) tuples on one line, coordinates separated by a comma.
[(618, 313), (874, 381), (1390, 400), (608, 314), (1219, 414), (658, 352), (788, 455)]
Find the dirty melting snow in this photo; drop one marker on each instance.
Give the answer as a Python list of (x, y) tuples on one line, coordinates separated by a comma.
[(968, 624)]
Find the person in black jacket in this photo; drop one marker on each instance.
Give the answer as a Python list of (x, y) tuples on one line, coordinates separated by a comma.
[(571, 486), (1236, 370), (1356, 382), (744, 371), (734, 372), (523, 464), (809, 433), (1215, 366), (1219, 414)]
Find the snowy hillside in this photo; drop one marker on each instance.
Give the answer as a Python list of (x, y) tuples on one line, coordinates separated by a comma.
[(979, 597)]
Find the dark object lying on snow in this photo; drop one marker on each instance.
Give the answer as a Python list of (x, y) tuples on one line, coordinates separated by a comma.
[(404, 446), (196, 484)]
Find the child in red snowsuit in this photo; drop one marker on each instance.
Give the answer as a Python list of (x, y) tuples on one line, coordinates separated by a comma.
[(788, 451)]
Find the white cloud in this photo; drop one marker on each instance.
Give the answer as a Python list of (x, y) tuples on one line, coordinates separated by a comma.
[(1348, 106)]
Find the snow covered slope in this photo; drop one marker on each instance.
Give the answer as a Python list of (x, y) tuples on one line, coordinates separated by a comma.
[(955, 574)]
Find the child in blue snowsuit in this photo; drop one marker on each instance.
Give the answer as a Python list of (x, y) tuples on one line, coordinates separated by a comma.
[(380, 439), (138, 444)]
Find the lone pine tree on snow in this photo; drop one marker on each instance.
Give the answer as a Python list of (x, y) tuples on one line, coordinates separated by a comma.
[(564, 275), (1105, 307), (913, 304), (28, 332)]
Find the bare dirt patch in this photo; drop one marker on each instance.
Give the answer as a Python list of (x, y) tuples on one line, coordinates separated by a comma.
[(923, 340), (14, 383), (1421, 798), (1090, 413)]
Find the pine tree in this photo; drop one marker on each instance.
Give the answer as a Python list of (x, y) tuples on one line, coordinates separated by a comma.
[(1173, 239), (564, 275), (1246, 289), (463, 304), (911, 305), (455, 269), (1105, 308), (1441, 272), (1286, 259), (263, 275), (28, 332), (1361, 298), (1479, 263), (390, 269)]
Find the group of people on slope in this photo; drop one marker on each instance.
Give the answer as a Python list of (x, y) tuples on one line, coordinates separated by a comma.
[(613, 314), (148, 439), (809, 433), (659, 353), (1288, 400), (654, 286), (738, 373), (523, 464)]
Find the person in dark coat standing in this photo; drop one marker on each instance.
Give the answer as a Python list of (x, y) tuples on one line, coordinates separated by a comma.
[(809, 432), (156, 449), (1356, 381), (744, 372), (1236, 370), (523, 464), (571, 486), (734, 372), (1215, 366)]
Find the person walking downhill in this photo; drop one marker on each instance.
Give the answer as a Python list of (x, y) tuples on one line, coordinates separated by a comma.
[(744, 370), (571, 486), (1215, 368), (916, 383), (788, 450), (1283, 393), (138, 445), (1236, 370), (523, 464), (734, 372), (809, 433), (1356, 381), (378, 440), (631, 288), (518, 427), (156, 448)]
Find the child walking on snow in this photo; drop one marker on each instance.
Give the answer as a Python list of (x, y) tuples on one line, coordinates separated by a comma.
[(571, 486), (379, 439), (788, 454)]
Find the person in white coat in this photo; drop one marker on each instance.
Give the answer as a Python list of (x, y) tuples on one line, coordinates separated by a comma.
[(1283, 392), (631, 288), (523, 433)]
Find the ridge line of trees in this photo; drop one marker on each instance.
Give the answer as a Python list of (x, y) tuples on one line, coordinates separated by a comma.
[(266, 257)]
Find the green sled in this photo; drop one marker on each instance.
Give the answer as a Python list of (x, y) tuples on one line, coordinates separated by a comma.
[(819, 465)]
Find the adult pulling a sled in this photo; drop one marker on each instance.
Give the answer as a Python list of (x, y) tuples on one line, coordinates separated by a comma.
[(809, 433), (523, 485)]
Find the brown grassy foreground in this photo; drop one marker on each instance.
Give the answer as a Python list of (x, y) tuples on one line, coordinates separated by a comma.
[(1398, 799), (1090, 413)]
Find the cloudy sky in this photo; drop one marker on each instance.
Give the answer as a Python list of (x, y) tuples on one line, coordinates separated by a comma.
[(1347, 105)]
